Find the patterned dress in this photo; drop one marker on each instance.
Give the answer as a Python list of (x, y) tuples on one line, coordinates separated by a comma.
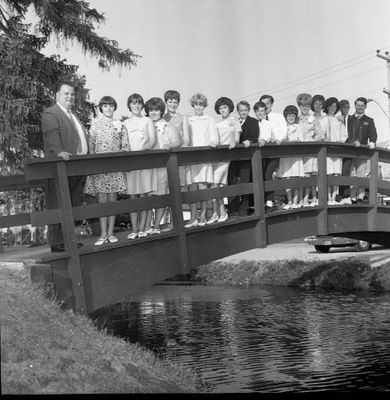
[(106, 136), (226, 134), (292, 166)]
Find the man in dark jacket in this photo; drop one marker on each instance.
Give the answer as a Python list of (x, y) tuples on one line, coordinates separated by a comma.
[(361, 130), (240, 170), (63, 135)]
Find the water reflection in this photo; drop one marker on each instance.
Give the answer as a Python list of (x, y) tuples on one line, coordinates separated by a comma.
[(263, 339)]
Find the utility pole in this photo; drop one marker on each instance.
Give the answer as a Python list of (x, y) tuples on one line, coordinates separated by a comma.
[(387, 59)]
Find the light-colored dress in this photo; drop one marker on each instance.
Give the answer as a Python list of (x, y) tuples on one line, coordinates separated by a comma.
[(334, 132), (312, 132), (106, 136), (161, 174), (226, 129), (292, 166), (177, 120), (139, 181), (203, 132)]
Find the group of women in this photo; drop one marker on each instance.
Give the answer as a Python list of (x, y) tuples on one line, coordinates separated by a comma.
[(150, 126)]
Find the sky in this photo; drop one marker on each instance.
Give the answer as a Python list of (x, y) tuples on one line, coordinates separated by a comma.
[(242, 49)]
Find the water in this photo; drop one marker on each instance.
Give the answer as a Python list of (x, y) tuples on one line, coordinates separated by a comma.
[(264, 339)]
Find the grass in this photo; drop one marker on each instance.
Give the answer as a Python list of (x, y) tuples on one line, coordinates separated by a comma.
[(47, 350), (336, 275)]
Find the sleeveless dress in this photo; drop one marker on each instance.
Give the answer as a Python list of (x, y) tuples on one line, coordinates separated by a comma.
[(202, 132), (177, 120), (106, 136), (292, 166), (139, 181), (226, 133), (334, 132)]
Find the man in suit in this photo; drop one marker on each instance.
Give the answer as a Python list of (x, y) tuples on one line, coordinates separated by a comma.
[(63, 136), (240, 170), (279, 133), (361, 130)]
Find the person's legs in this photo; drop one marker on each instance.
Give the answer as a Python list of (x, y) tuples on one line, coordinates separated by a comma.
[(159, 213), (193, 206), (134, 217), (345, 191), (234, 178), (102, 198), (111, 219), (270, 166), (143, 217), (203, 204)]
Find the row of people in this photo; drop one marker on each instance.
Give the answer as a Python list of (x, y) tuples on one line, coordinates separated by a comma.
[(158, 129)]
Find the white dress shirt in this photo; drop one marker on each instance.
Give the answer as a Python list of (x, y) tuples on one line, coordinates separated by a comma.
[(279, 126), (265, 128), (83, 141)]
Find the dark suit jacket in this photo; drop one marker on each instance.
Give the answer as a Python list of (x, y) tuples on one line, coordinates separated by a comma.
[(361, 129), (250, 130), (59, 133)]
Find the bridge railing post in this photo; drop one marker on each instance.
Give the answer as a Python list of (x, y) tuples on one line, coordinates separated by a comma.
[(373, 190), (322, 182), (177, 209), (258, 196), (69, 237)]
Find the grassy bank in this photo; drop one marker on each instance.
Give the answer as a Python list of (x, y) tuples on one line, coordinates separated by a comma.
[(47, 350), (337, 275)]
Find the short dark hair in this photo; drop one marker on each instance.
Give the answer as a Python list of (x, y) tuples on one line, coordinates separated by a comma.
[(154, 103), (62, 83), (223, 101), (329, 102), (317, 97), (172, 95), (243, 103), (267, 96), (137, 98), (343, 103), (291, 109), (258, 105), (107, 100), (362, 99)]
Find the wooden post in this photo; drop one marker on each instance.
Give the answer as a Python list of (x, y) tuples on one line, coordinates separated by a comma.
[(69, 236), (258, 195), (177, 209), (322, 192), (373, 191)]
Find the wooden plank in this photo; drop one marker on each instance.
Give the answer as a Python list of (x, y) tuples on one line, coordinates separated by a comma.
[(348, 181), (14, 220), (177, 210), (120, 207), (322, 218), (47, 217), (258, 197), (70, 239), (283, 184), (216, 193), (373, 192), (17, 182)]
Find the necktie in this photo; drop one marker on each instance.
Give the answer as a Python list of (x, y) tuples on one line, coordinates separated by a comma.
[(69, 113), (266, 117)]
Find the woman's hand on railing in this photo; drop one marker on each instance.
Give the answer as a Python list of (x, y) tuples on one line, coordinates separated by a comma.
[(261, 142), (232, 145), (356, 143), (213, 145), (166, 146), (246, 143), (278, 142), (371, 145), (64, 154)]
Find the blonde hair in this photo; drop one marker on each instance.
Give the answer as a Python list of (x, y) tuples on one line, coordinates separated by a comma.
[(198, 98), (304, 99)]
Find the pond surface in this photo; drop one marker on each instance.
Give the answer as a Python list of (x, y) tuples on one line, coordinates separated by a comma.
[(262, 339)]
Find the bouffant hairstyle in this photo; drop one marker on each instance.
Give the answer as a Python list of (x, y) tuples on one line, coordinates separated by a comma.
[(267, 96), (258, 105), (172, 95), (198, 98), (243, 103), (135, 98), (291, 109), (154, 103), (223, 101), (343, 103), (317, 97), (304, 99), (59, 85), (362, 99), (107, 100), (329, 102)]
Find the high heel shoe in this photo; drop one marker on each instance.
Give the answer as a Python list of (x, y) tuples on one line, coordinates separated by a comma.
[(191, 224), (212, 220), (223, 219)]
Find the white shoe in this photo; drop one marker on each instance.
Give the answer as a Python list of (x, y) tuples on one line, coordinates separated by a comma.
[(223, 219), (202, 223), (347, 200), (313, 204), (191, 224), (306, 204), (132, 236), (269, 203), (287, 207), (156, 231), (149, 231), (212, 220), (295, 206), (142, 234)]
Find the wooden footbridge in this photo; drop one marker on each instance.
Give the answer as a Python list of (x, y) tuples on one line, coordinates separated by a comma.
[(92, 277)]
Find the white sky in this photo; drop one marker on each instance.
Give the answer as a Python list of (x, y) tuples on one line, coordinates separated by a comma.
[(242, 49)]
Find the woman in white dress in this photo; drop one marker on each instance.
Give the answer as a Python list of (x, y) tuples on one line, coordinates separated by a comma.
[(167, 137), (140, 183), (292, 167), (203, 132), (229, 130), (334, 132)]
